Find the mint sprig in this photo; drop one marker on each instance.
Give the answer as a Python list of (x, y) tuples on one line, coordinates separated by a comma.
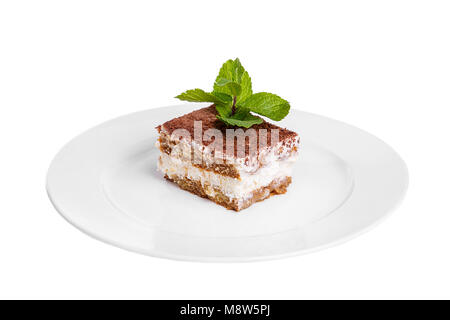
[(234, 98)]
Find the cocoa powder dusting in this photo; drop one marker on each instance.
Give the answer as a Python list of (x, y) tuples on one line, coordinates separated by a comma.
[(208, 118)]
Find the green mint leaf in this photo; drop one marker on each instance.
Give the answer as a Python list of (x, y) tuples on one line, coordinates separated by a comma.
[(241, 119), (267, 104), (246, 87), (227, 86), (237, 71), (223, 110), (231, 70), (199, 95), (246, 123), (223, 96)]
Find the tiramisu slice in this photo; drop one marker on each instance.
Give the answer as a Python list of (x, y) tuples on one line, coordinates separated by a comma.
[(234, 167), (225, 152)]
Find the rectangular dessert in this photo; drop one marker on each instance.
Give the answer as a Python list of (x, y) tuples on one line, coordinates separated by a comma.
[(235, 172)]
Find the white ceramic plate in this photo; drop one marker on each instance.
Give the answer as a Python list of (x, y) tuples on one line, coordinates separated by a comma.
[(105, 183)]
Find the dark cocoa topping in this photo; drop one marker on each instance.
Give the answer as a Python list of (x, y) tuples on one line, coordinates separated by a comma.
[(209, 121)]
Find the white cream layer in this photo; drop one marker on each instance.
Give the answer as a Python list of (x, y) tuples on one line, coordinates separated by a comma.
[(231, 187)]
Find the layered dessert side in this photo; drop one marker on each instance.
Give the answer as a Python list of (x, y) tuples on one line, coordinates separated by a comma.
[(227, 152), (235, 179)]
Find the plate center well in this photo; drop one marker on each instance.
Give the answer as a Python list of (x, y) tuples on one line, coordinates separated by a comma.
[(321, 183)]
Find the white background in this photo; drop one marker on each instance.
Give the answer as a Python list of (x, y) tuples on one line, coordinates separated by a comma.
[(66, 66)]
